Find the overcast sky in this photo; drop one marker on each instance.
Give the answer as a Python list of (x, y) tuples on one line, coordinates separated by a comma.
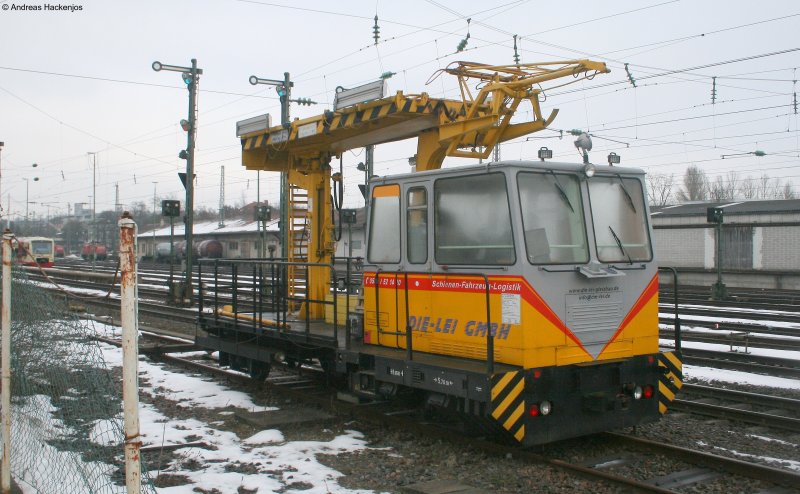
[(80, 81)]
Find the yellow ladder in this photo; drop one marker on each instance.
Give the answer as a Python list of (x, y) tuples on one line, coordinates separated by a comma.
[(298, 233)]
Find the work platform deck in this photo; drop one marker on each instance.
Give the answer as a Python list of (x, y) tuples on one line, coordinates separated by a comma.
[(318, 339)]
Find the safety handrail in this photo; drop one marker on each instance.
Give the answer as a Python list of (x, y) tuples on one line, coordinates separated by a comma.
[(408, 329), (253, 296), (677, 335)]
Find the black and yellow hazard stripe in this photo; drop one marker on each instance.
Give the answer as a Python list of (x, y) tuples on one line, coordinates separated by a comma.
[(508, 404), (254, 142), (353, 116), (671, 379)]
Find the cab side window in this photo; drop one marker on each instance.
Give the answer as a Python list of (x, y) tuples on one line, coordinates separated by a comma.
[(472, 220), (384, 232), (417, 226)]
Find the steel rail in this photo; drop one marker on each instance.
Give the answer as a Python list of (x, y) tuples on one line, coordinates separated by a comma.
[(735, 326), (742, 396), (737, 339), (736, 414), (774, 366), (730, 465)]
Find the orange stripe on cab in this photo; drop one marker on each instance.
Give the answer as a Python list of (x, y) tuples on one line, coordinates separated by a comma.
[(647, 295)]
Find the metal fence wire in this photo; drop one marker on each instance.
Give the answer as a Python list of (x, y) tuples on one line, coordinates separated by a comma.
[(66, 408)]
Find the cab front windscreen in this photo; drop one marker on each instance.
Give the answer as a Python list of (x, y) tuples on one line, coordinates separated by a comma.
[(620, 222)]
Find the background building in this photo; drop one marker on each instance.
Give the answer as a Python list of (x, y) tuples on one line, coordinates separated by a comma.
[(760, 242)]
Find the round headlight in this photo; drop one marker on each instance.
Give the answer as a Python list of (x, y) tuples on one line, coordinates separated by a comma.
[(588, 170), (545, 407), (637, 393)]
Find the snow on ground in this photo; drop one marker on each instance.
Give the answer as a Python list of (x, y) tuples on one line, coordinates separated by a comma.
[(91, 292), (738, 309), (272, 463), (737, 347), (708, 374), (734, 320), (278, 463), (53, 466), (698, 329), (779, 462), (187, 390)]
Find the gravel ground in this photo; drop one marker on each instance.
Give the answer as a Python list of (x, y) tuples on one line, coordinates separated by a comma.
[(399, 458)]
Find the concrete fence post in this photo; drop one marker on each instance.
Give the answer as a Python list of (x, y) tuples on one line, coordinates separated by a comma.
[(5, 341), (130, 351)]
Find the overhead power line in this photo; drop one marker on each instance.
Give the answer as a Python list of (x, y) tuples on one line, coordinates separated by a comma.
[(123, 81)]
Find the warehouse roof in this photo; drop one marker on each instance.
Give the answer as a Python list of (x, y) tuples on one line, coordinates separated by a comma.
[(730, 207), (213, 228)]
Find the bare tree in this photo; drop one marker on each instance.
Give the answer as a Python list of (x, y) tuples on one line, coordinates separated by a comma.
[(732, 186), (767, 188), (718, 190), (659, 188), (788, 191), (695, 185), (748, 188)]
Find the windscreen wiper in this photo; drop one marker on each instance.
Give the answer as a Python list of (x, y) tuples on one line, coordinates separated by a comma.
[(627, 194), (561, 191), (619, 244)]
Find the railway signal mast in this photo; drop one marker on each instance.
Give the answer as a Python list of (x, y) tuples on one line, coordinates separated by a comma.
[(284, 90), (191, 76)]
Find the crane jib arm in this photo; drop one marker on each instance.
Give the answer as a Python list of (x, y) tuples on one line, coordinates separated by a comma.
[(469, 127), (331, 133)]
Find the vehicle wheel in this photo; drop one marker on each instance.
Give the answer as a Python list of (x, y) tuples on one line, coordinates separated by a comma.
[(259, 370)]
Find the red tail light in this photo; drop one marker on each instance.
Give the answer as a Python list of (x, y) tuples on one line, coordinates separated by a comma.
[(540, 409), (648, 391)]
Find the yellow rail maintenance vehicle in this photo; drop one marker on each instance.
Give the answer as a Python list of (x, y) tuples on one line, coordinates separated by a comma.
[(522, 294), (540, 275)]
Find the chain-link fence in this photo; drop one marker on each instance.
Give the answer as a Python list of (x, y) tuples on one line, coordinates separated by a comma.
[(66, 410)]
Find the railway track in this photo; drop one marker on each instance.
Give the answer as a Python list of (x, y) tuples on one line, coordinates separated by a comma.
[(703, 466), (752, 328), (746, 362), (733, 313), (750, 408), (151, 305), (764, 302), (757, 298), (709, 465), (306, 385), (736, 339)]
